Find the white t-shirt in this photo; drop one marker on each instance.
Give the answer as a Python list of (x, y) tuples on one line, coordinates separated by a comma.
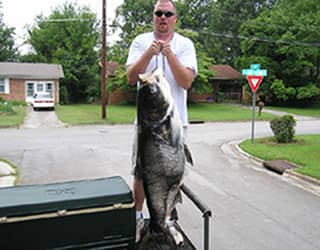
[(184, 50)]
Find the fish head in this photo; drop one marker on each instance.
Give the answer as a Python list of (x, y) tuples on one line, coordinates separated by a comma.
[(154, 96)]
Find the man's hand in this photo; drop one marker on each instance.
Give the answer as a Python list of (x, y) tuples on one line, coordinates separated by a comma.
[(165, 48), (156, 47)]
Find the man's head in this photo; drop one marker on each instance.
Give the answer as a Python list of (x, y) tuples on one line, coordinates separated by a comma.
[(164, 17)]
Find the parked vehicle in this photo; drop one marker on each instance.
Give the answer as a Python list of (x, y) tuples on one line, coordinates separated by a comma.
[(42, 100)]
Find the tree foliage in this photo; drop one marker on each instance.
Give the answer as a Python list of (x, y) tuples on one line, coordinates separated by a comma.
[(133, 14), (285, 41), (194, 14), (8, 50), (69, 36), (221, 34)]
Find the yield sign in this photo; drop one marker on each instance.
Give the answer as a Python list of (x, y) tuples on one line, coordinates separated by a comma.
[(254, 82)]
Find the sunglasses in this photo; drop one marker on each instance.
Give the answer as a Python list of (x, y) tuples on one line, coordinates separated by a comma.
[(159, 13)]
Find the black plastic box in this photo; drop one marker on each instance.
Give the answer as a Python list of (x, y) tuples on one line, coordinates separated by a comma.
[(86, 214)]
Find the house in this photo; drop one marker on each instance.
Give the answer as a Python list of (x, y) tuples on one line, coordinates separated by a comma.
[(20, 81), (227, 82), (117, 96)]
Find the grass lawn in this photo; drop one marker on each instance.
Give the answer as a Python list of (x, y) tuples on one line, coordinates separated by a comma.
[(314, 110), (304, 151), (224, 112), (91, 114), (120, 114), (13, 119)]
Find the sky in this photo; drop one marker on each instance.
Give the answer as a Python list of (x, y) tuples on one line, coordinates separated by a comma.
[(18, 14)]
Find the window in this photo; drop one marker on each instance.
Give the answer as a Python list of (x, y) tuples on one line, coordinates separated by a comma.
[(4, 86), (40, 87), (49, 88), (30, 89)]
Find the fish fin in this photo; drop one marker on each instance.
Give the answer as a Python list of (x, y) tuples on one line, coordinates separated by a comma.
[(175, 138), (174, 197), (176, 134), (188, 154)]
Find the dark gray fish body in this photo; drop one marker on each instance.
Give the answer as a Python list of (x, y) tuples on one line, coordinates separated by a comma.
[(161, 154)]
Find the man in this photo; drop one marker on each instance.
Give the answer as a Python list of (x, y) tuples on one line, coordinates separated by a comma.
[(176, 55)]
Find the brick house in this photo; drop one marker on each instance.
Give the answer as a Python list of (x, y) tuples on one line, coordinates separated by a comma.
[(20, 81), (117, 96), (227, 81)]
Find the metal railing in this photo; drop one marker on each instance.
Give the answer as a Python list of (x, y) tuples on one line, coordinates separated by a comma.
[(206, 213)]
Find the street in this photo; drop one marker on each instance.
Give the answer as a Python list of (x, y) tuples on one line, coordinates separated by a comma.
[(254, 209)]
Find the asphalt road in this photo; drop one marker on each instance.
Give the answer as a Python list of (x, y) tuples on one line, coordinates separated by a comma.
[(254, 209)]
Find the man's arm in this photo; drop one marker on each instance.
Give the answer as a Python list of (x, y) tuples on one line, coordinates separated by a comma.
[(183, 75), (141, 64)]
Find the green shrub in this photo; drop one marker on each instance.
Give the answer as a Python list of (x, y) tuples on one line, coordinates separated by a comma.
[(6, 107), (18, 103), (283, 128)]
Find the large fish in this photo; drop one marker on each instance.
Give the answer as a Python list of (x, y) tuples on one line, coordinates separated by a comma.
[(161, 156)]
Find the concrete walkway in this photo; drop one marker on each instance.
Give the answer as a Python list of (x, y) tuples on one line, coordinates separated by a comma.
[(41, 119), (297, 117)]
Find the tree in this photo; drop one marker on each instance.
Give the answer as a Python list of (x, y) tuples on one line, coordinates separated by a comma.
[(69, 36), (285, 41), (220, 35), (133, 14), (8, 51), (194, 14)]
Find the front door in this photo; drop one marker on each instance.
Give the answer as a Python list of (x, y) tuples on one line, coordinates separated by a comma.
[(39, 87)]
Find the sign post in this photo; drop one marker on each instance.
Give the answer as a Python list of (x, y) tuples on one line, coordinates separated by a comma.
[(254, 76)]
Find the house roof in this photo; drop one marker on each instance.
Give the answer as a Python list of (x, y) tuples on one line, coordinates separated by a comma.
[(225, 72), (31, 70)]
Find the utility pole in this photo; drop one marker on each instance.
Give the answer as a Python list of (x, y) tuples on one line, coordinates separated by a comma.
[(103, 62)]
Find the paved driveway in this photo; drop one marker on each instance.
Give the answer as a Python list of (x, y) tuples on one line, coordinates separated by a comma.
[(253, 208), (41, 119)]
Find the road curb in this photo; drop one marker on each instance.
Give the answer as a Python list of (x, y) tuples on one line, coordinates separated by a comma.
[(303, 177), (247, 155), (309, 183)]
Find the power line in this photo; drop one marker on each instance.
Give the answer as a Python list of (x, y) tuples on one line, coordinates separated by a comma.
[(259, 39), (69, 20)]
